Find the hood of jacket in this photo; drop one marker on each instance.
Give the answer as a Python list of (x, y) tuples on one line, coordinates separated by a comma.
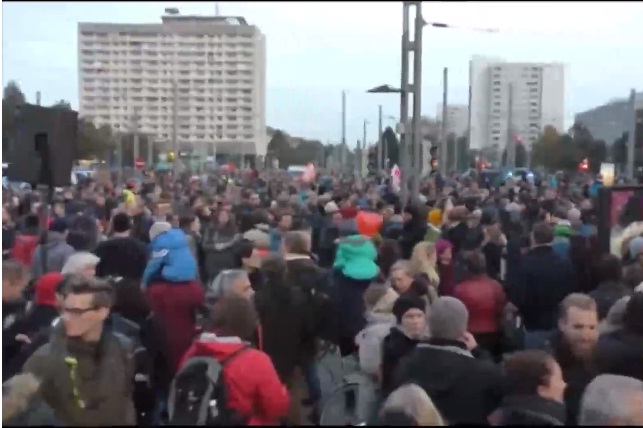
[(55, 238), (173, 239), (529, 410), (375, 318), (355, 258), (218, 346), (384, 305)]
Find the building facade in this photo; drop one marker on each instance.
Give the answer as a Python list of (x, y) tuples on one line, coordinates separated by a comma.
[(609, 121), (514, 100), (457, 119), (196, 80)]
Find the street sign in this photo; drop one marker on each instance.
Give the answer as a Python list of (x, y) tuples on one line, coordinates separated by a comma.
[(139, 163)]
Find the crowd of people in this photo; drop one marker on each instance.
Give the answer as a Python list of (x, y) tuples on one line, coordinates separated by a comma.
[(228, 301)]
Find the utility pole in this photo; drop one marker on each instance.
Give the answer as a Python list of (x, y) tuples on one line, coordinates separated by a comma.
[(380, 139), (342, 151), (417, 99), (631, 141), (404, 104), (120, 158), (136, 136), (150, 151), (38, 98), (357, 164), (511, 145), (175, 126), (444, 150)]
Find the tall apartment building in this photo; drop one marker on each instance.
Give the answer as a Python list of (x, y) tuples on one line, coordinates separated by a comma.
[(457, 119), (200, 80), (609, 121), (538, 100)]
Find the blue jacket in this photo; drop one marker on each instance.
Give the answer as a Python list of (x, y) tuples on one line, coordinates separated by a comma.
[(172, 259), (275, 240)]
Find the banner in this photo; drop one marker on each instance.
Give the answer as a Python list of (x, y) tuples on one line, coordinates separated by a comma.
[(396, 178)]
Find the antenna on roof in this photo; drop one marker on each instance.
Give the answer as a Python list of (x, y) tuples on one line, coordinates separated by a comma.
[(216, 8)]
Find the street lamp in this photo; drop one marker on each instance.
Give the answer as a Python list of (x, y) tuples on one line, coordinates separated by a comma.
[(381, 147)]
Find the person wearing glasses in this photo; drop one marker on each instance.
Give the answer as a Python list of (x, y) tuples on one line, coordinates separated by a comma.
[(86, 371)]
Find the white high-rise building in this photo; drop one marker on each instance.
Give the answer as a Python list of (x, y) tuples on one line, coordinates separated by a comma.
[(199, 80), (538, 100), (457, 119)]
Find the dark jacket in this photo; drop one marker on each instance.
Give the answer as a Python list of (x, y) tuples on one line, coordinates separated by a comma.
[(326, 248), (316, 285), (285, 331), (545, 279), (395, 347), (12, 324), (175, 306), (457, 235), (103, 380), (606, 294), (465, 389), (620, 353), (220, 252), (413, 232), (529, 410), (576, 373), (348, 296), (125, 257)]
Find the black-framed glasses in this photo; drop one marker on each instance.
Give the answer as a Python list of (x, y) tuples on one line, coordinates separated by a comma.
[(77, 312)]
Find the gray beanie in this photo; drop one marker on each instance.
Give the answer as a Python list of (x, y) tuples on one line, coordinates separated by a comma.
[(159, 228), (448, 318), (614, 319)]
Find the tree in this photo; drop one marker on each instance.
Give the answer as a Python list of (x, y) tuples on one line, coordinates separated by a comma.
[(463, 153), (62, 104), (278, 147), (521, 156), (94, 142), (12, 97), (392, 146)]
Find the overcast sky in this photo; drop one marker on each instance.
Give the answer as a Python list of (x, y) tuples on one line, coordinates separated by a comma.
[(315, 50)]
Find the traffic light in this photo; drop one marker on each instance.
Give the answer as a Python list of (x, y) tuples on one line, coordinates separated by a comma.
[(583, 165), (433, 151)]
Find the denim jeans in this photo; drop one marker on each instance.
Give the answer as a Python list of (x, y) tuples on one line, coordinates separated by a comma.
[(312, 382)]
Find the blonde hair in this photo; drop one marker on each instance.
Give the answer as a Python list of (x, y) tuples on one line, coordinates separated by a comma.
[(415, 402), (420, 262)]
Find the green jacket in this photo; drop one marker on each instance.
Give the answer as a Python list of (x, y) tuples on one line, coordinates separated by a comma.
[(355, 258), (86, 384)]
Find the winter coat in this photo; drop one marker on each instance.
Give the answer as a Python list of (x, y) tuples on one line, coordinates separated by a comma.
[(220, 252), (355, 258), (58, 251), (24, 247), (606, 294), (370, 340), (620, 353), (464, 386), (175, 306), (485, 300), (171, 260), (413, 231), (528, 410), (121, 257), (253, 389), (100, 391), (545, 279), (284, 319), (396, 345)]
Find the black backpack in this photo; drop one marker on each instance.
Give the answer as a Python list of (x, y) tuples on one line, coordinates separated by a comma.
[(144, 394), (198, 394)]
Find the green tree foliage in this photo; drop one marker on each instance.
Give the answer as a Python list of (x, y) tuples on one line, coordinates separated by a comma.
[(564, 152), (12, 97), (92, 142), (392, 146), (522, 156), (294, 151)]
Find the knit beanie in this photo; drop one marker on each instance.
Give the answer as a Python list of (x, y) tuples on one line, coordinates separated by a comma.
[(407, 302), (159, 228), (448, 318)]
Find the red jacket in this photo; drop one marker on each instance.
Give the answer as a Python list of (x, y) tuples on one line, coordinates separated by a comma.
[(485, 300), (252, 386), (175, 306), (24, 247)]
